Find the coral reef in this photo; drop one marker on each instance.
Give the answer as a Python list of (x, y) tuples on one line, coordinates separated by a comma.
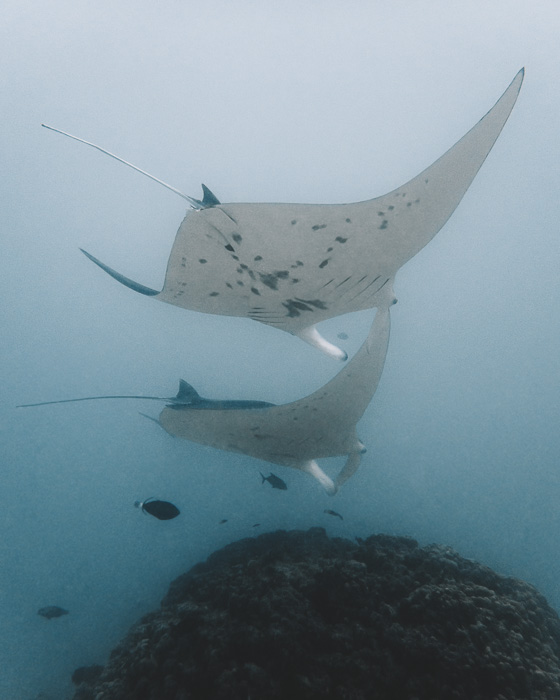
[(299, 615)]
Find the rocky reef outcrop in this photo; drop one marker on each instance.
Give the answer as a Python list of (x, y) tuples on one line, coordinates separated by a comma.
[(300, 615)]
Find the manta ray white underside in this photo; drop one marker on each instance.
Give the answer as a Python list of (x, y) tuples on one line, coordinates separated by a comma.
[(296, 434), (293, 265)]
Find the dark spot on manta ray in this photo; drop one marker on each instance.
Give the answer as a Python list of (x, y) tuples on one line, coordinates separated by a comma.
[(229, 247), (380, 213), (294, 222), (240, 283), (409, 204), (255, 291), (317, 303), (202, 261), (340, 239), (214, 294), (271, 279), (294, 280), (384, 224), (229, 285), (251, 274), (257, 257), (237, 237), (324, 263), (329, 250), (390, 207), (235, 257), (183, 265), (244, 267), (318, 226), (426, 180), (295, 306)]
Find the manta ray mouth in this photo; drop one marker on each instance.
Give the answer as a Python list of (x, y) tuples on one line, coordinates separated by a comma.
[(136, 286)]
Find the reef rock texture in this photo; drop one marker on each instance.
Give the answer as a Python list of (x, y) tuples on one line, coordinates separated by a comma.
[(298, 615)]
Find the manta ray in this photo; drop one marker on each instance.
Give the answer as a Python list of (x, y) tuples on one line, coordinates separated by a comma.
[(295, 434), (291, 266)]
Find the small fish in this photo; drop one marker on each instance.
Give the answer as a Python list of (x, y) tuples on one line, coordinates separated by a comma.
[(343, 336), (51, 611), (162, 510), (222, 521), (333, 512), (256, 525), (275, 481)]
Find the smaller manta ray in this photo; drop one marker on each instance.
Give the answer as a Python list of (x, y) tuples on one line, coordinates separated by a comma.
[(328, 511), (275, 481), (51, 611), (295, 434), (162, 510), (291, 266)]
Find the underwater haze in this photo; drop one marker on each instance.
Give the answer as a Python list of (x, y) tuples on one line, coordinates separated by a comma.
[(323, 102)]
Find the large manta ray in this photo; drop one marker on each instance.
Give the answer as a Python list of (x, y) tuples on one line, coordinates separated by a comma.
[(293, 265), (296, 434)]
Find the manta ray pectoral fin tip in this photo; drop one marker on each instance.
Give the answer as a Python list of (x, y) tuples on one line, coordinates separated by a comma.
[(131, 284)]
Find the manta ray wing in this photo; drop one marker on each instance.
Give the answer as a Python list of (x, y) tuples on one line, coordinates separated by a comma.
[(294, 265), (291, 266), (322, 424)]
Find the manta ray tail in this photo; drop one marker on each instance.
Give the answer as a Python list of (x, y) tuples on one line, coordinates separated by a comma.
[(136, 286), (195, 203)]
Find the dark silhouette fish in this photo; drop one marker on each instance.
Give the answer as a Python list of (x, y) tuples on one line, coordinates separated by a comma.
[(333, 512), (51, 611), (162, 510), (222, 521), (275, 481)]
